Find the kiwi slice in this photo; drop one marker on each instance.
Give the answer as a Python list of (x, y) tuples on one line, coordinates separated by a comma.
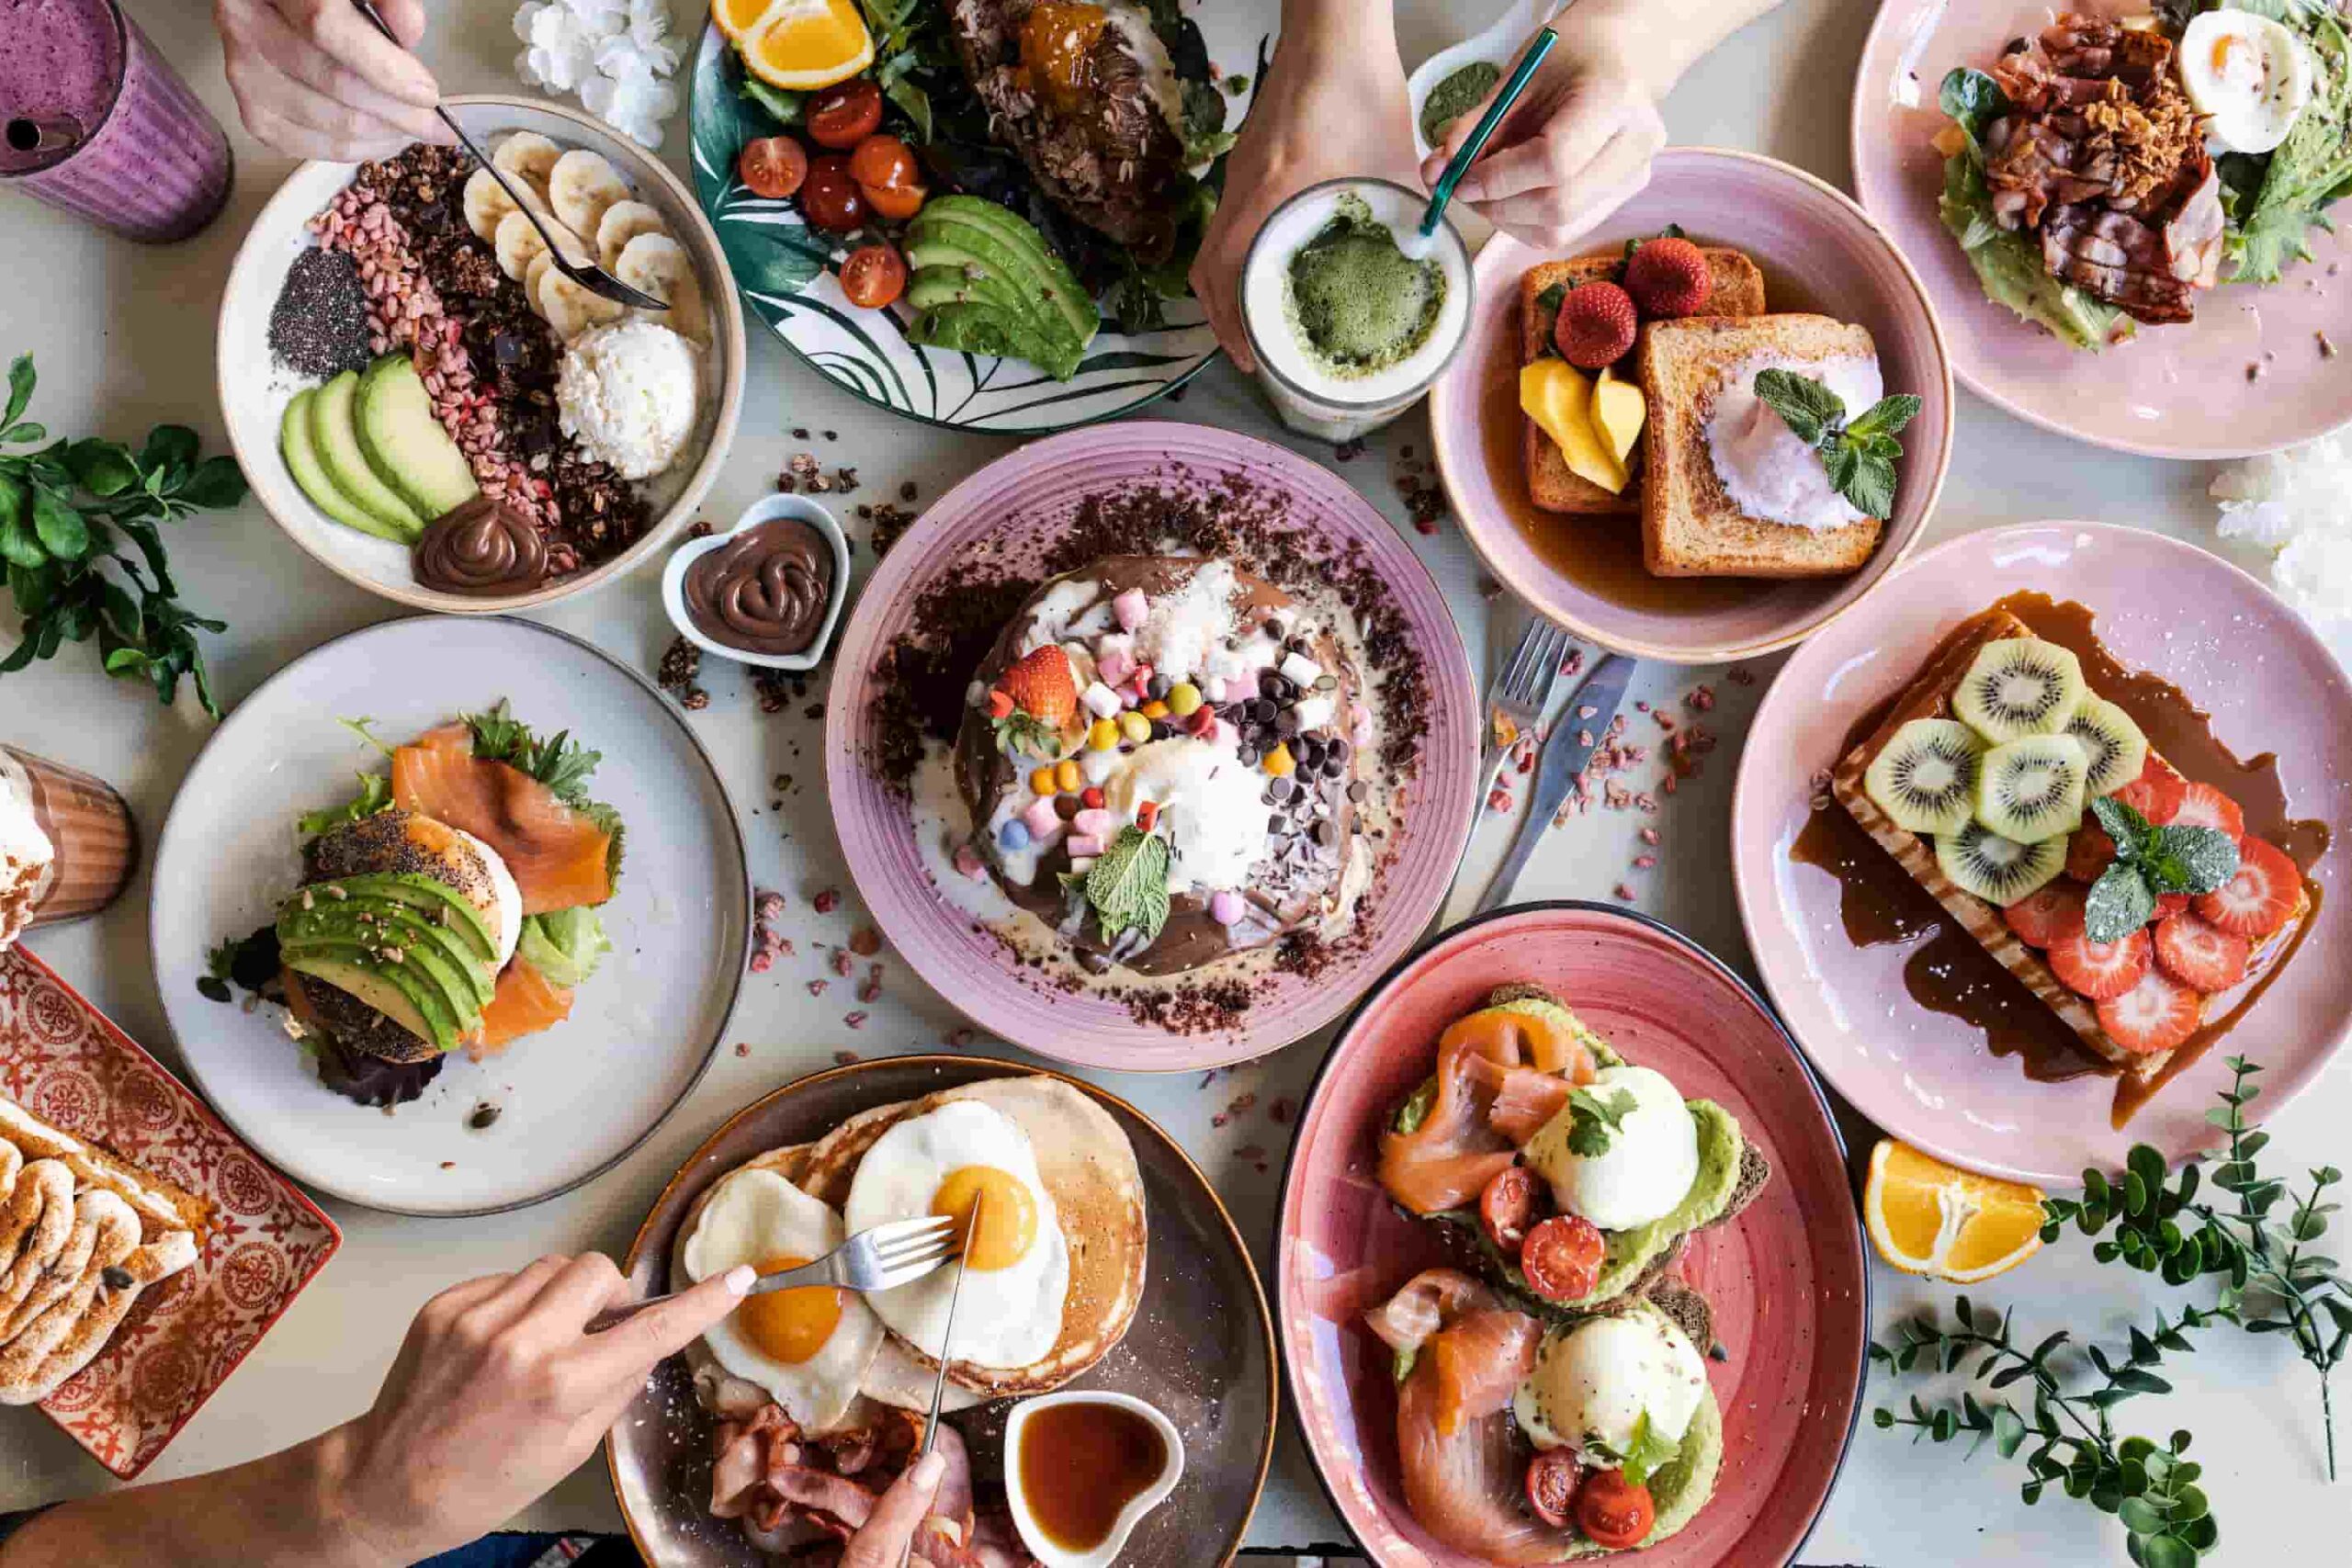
[(2019, 686), (2033, 789), (1925, 777), (1999, 870), (2113, 743)]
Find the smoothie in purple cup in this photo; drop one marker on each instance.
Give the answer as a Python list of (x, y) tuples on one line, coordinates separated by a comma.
[(95, 122)]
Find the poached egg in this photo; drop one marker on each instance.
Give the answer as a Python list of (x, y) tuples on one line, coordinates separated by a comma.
[(1594, 1381), (2250, 76), (1646, 1169)]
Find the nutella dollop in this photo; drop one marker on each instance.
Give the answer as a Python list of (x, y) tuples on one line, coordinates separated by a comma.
[(481, 549), (765, 590)]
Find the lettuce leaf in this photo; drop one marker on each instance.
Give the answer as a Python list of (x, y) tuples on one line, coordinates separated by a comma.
[(2271, 220), (565, 946)]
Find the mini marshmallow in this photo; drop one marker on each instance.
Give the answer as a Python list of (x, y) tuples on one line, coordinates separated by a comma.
[(1313, 713), (1079, 864), (1131, 608), (1299, 668), (1083, 848), (1100, 700), (1113, 665), (1093, 824), (1225, 906), (969, 861), (1043, 819)]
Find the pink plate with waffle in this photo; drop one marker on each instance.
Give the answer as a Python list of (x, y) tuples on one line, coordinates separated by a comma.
[(1787, 1278), (998, 527), (63, 1061)]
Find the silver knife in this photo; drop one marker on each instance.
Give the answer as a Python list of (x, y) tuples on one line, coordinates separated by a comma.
[(947, 1336), (1576, 735)]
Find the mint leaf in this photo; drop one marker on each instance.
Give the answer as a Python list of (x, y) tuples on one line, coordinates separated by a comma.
[(1592, 1120), (2120, 902), (1128, 885), (1886, 417), (1548, 301), (2199, 859), (1811, 409), (1869, 485), (2129, 831), (1648, 1453)]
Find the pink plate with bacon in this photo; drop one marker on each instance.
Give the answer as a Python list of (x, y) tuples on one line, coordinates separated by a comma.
[(1786, 1279)]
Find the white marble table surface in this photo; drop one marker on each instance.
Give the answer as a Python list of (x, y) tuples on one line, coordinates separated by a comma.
[(124, 338)]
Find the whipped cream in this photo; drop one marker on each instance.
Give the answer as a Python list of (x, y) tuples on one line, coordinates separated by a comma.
[(1213, 807), (1769, 473), (28, 860)]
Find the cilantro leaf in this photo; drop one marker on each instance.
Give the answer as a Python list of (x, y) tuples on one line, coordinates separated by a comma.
[(1593, 1119), (1128, 885), (1648, 1453), (2120, 902), (558, 762)]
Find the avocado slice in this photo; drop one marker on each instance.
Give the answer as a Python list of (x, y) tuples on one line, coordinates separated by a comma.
[(953, 256), (971, 283), (404, 442), (337, 440), (402, 994), (441, 903), (975, 329), (302, 461), (466, 979), (1008, 246)]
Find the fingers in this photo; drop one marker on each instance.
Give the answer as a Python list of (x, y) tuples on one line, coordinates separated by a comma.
[(406, 18), (892, 1525), (1585, 122), (337, 27), (352, 106), (629, 1349), (1216, 280), (1558, 217), (578, 1292)]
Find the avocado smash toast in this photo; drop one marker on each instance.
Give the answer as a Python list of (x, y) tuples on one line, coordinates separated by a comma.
[(1553, 1398)]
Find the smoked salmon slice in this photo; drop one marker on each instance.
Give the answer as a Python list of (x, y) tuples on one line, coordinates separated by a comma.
[(1493, 1092), (559, 856), (523, 1004)]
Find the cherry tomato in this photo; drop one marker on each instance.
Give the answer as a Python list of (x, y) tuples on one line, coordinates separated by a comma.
[(1613, 1512), (898, 203), (844, 113), (1562, 1258), (1508, 1207), (1553, 1477), (773, 166), (874, 275), (883, 161), (829, 200)]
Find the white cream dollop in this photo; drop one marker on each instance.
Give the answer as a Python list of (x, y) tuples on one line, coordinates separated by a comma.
[(1212, 810), (1769, 473), (628, 393), (27, 857)]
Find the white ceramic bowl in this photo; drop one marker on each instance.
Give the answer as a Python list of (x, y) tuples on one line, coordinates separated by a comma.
[(1107, 1552), (1498, 45), (255, 389), (674, 582)]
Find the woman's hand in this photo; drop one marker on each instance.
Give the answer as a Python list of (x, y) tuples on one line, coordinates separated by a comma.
[(314, 79), (883, 1542), (1329, 107), (497, 1395)]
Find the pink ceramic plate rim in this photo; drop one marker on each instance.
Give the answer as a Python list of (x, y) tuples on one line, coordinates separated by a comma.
[(2270, 683), (1020, 498), (1813, 241), (1762, 1272), (2178, 391)]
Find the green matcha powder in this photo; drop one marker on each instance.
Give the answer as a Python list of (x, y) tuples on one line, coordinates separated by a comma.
[(1357, 303)]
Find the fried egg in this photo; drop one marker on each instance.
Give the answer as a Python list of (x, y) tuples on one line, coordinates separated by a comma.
[(809, 1346), (1016, 1262), (2250, 76), (1646, 1169)]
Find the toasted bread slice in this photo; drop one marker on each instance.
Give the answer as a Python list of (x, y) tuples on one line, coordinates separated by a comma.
[(1737, 291), (1690, 526), (161, 1205), (1930, 696)]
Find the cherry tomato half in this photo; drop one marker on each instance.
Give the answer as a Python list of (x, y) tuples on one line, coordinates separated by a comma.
[(874, 275), (844, 113), (1613, 1512), (1562, 1258), (1507, 1208), (829, 200), (773, 166), (1553, 1477), (883, 161), (898, 203)]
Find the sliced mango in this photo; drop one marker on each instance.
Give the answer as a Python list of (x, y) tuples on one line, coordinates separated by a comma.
[(1618, 411), (1558, 398)]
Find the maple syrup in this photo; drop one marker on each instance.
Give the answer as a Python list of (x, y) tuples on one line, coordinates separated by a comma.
[(1083, 1462)]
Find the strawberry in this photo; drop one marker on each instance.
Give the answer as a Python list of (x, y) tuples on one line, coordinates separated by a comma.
[(2202, 806), (2168, 905), (2039, 918), (2089, 852), (1596, 326), (2201, 955), (2099, 970), (1040, 686), (1668, 277), (2258, 899), (2156, 794), (2154, 1015)]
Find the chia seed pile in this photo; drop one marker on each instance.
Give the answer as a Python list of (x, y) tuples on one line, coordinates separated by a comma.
[(319, 326), (488, 361)]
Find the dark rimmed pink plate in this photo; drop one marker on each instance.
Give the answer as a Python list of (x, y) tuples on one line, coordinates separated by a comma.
[(1787, 1278), (1010, 511), (1927, 1077)]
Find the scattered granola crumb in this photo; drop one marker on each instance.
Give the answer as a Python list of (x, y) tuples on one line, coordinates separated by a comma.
[(844, 1058), (1281, 1112), (826, 902), (681, 662), (816, 987), (742, 1047), (854, 1020), (842, 962), (700, 529), (865, 942), (1622, 893), (962, 1038)]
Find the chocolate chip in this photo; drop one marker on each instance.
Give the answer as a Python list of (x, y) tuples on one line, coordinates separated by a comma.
[(1326, 834), (1334, 764), (1066, 807), (1159, 688), (117, 1277), (1161, 730), (1359, 791), (1262, 710), (1286, 723), (1280, 791), (484, 1114), (1247, 755), (1340, 747), (1277, 824)]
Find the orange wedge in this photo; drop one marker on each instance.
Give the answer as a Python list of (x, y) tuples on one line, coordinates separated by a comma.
[(737, 19), (1926, 1217), (800, 45)]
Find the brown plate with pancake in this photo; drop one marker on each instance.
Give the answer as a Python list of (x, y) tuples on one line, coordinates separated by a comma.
[(1200, 1346)]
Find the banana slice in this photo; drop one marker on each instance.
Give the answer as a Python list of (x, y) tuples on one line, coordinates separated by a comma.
[(518, 245), (624, 221), (571, 309), (659, 265), (486, 203), (531, 156), (537, 267), (581, 186)]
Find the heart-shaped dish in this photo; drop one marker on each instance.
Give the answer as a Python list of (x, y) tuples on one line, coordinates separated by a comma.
[(674, 582)]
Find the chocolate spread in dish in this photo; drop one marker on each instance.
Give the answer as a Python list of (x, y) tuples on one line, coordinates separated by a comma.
[(764, 591), (1949, 972), (481, 549)]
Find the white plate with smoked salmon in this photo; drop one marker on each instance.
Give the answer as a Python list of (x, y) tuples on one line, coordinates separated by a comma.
[(449, 915)]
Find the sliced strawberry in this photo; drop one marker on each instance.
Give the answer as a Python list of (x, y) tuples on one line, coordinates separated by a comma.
[(2170, 904), (2156, 794), (2100, 969), (2039, 918), (2202, 806), (2260, 897), (2200, 954), (2089, 852), (2154, 1015)]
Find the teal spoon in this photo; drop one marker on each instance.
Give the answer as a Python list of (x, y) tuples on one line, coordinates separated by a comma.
[(1537, 48)]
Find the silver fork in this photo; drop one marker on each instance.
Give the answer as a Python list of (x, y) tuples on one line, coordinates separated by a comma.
[(586, 273), (1519, 696), (871, 1260)]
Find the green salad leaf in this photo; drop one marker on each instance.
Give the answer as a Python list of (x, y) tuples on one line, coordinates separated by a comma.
[(2272, 220)]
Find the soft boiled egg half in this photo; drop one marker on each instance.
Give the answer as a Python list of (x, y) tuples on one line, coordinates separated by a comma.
[(1648, 1165), (2251, 77), (1015, 1267), (810, 1346), (1595, 1383)]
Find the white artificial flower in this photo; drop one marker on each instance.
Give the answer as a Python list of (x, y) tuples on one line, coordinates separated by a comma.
[(616, 55), (2298, 502)]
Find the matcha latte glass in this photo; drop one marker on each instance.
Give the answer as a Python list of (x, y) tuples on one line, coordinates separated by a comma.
[(1349, 331)]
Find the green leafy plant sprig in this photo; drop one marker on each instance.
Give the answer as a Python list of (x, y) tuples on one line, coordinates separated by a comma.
[(2250, 1230), (1858, 454), (2066, 1435), (65, 510)]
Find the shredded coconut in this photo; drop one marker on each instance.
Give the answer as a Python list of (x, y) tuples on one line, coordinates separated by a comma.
[(2298, 503), (618, 55)]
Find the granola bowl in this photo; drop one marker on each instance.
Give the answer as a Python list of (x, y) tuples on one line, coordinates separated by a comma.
[(487, 361)]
